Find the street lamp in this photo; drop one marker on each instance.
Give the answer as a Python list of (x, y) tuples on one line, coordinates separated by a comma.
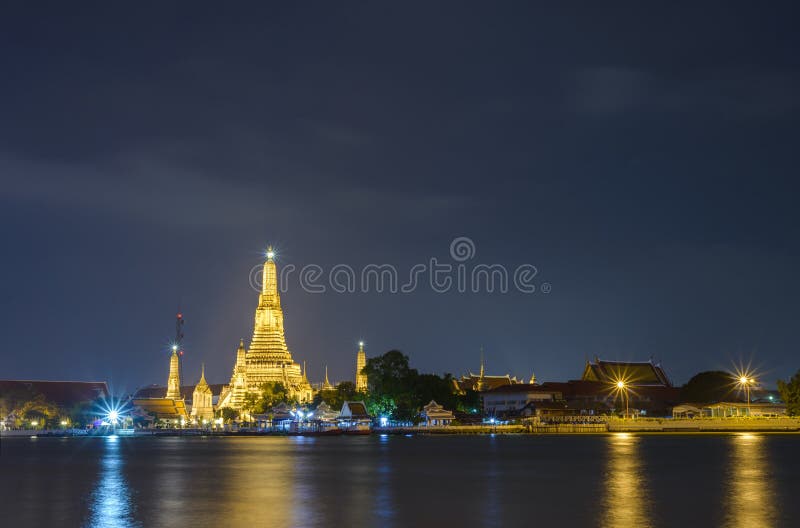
[(745, 382), (623, 388)]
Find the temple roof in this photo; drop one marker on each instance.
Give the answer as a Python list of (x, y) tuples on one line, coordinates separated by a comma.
[(471, 381), (162, 408), (434, 410), (636, 373), (59, 392), (354, 409), (157, 391)]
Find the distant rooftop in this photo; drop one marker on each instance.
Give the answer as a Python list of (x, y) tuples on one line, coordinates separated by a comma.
[(59, 392), (636, 373), (187, 391)]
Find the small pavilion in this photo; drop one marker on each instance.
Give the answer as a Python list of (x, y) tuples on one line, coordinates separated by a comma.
[(436, 415)]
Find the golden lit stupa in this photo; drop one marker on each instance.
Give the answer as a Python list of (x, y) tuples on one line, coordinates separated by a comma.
[(174, 380), (268, 359), (361, 362)]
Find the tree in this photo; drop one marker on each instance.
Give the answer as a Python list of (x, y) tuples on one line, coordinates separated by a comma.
[(432, 387), (83, 413), (398, 391), (389, 373), (227, 414), (470, 402), (344, 391), (41, 410), (708, 387), (378, 406), (392, 385), (790, 394)]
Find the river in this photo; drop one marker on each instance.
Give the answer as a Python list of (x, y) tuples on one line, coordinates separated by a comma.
[(615, 480)]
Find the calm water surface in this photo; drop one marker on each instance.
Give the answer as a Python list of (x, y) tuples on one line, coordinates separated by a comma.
[(741, 480)]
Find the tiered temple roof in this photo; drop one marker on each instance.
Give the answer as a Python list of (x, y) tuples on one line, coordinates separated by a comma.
[(58, 392), (635, 373), (434, 411), (187, 391), (482, 382), (160, 408)]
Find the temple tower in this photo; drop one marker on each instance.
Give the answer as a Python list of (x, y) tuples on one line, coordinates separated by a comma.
[(238, 385), (174, 380), (361, 362), (268, 359)]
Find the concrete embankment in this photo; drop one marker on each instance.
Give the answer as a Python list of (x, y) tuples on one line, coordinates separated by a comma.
[(641, 425), (710, 425), (454, 429)]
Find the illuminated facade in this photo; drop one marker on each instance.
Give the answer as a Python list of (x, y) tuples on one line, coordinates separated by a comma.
[(435, 415), (268, 359), (361, 362), (202, 400)]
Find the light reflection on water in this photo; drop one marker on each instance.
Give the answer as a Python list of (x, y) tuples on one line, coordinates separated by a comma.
[(650, 481), (110, 503), (749, 497), (626, 494)]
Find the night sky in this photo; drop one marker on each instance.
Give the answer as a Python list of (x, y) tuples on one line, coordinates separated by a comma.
[(642, 156)]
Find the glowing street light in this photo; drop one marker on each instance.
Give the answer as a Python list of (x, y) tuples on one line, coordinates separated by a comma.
[(745, 382), (623, 388)]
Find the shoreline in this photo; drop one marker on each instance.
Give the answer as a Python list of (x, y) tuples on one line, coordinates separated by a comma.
[(611, 428)]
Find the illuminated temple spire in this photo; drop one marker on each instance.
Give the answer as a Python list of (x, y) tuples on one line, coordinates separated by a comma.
[(174, 380), (202, 382), (268, 343), (267, 359), (481, 384), (361, 362), (327, 384)]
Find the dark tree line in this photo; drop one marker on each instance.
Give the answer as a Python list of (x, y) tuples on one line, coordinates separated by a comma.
[(399, 392)]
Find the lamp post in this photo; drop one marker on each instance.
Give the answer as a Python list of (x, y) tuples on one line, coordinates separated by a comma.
[(745, 382), (623, 388)]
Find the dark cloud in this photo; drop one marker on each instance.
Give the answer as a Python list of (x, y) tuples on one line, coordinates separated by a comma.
[(642, 157), (732, 94)]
